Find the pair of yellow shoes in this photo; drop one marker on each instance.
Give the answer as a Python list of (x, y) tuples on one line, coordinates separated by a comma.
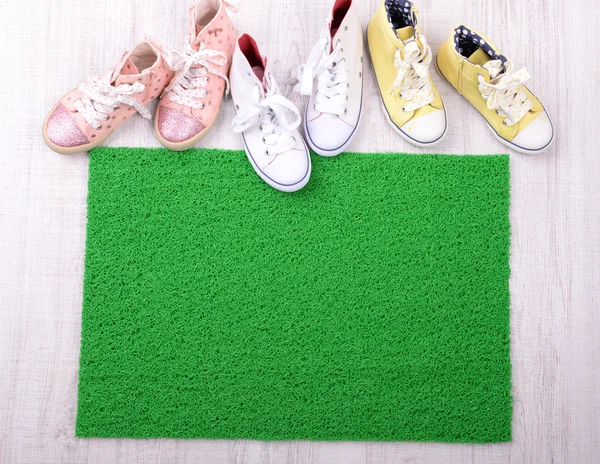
[(466, 60)]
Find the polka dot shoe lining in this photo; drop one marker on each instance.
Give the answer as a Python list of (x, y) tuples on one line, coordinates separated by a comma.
[(467, 41), (400, 14)]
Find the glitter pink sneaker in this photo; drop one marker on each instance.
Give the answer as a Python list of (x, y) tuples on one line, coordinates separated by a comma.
[(189, 106), (86, 116)]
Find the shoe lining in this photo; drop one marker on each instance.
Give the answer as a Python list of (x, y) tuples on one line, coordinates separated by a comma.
[(143, 57), (400, 14), (206, 13), (340, 8), (467, 42), (249, 49)]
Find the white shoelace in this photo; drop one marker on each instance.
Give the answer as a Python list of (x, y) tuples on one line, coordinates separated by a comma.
[(502, 92), (413, 75), (185, 87), (101, 98), (329, 67), (273, 111)]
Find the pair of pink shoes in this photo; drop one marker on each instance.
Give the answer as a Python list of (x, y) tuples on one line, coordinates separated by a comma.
[(190, 84)]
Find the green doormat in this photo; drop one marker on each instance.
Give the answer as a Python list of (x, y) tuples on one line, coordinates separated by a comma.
[(372, 305)]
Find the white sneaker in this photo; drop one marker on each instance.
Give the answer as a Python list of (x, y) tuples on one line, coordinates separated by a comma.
[(267, 120), (336, 64)]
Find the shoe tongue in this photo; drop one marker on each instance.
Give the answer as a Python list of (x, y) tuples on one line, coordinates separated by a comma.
[(479, 57), (406, 33), (120, 74), (261, 75), (195, 43), (494, 67)]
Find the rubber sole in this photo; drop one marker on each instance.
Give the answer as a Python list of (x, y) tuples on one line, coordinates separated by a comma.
[(516, 147), (337, 151), (281, 187), (330, 153), (408, 138)]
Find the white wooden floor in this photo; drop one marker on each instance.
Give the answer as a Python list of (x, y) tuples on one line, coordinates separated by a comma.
[(48, 46)]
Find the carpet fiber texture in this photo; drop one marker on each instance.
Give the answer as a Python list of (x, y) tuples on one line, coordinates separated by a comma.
[(372, 305)]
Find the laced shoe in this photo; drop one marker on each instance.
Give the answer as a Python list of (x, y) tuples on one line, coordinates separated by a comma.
[(474, 66), (267, 120), (401, 58), (190, 104), (86, 116), (333, 78)]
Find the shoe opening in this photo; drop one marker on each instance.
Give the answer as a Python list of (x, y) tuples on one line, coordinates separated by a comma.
[(474, 47), (250, 50), (143, 57), (340, 8), (206, 10), (400, 14)]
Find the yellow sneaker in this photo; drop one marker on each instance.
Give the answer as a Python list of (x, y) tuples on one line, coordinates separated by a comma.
[(475, 68), (400, 57)]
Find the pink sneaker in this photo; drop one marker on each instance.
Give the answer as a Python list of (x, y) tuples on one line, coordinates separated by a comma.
[(189, 106), (86, 116)]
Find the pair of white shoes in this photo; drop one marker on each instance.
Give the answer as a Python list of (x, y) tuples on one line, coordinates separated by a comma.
[(332, 77)]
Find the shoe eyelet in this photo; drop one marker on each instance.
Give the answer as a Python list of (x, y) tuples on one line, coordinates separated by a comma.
[(260, 128), (264, 140), (404, 109), (315, 107), (267, 152), (348, 84), (294, 138), (345, 110), (347, 97)]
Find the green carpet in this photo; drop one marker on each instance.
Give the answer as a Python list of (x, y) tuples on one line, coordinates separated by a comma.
[(372, 305)]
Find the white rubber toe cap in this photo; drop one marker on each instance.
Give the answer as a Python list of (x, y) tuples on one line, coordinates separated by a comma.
[(536, 136), (328, 134), (427, 129), (289, 169)]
